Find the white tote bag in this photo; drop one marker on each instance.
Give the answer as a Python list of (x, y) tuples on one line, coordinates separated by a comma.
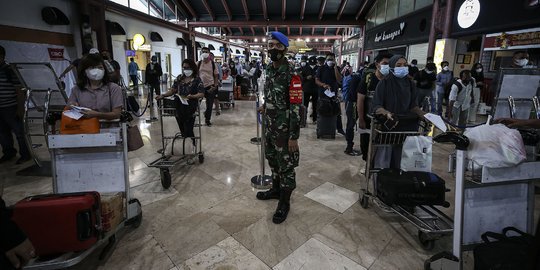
[(416, 154)]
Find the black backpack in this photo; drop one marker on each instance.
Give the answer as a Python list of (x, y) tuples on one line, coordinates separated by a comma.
[(448, 87)]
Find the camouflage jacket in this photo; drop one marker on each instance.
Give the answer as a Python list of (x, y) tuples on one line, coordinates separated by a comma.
[(276, 98)]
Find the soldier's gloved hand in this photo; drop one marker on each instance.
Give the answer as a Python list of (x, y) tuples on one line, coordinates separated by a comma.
[(261, 109), (293, 145)]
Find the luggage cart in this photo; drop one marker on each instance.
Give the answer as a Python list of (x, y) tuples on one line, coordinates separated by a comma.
[(92, 162), (431, 223), (226, 94), (167, 109)]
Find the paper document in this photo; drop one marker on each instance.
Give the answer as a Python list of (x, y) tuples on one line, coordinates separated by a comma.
[(78, 108), (436, 120), (73, 114), (329, 93), (183, 100)]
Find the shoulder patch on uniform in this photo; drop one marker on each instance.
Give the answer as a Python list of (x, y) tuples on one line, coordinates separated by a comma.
[(295, 90)]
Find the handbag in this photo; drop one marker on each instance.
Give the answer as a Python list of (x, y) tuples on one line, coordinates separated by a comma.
[(134, 138)]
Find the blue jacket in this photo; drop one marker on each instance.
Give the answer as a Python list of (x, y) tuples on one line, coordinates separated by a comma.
[(444, 77)]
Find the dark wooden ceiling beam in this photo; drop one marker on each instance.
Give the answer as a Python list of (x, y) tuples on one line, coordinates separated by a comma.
[(338, 31), (321, 11), (325, 29), (278, 23), (246, 10), (252, 30), (300, 29), (361, 10), (312, 31), (302, 10), (230, 30), (265, 11), (288, 31), (190, 9), (227, 9), (341, 9), (283, 9), (210, 12), (241, 30)]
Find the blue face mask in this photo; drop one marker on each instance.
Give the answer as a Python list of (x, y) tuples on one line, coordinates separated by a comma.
[(385, 69), (401, 72)]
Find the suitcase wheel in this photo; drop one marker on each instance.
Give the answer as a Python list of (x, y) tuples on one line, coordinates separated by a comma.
[(426, 241), (201, 158), (135, 221), (364, 202), (165, 178)]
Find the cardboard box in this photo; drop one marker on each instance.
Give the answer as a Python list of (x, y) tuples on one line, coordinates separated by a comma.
[(112, 211)]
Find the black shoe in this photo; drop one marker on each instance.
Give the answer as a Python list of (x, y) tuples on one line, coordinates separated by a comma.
[(351, 152), (272, 193), (6, 158), (23, 160), (208, 123), (341, 132), (283, 207)]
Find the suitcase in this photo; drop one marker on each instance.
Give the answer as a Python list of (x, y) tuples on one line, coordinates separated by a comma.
[(326, 127), (225, 96), (60, 223), (396, 187)]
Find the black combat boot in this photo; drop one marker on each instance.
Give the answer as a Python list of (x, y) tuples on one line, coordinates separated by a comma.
[(272, 193), (283, 206)]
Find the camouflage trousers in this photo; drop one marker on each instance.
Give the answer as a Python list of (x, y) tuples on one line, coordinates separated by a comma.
[(281, 160)]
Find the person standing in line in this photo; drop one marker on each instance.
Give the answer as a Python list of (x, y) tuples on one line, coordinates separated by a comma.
[(10, 120), (209, 75), (350, 84), (112, 67), (329, 77), (477, 72), (425, 84), (309, 87), (217, 108), (366, 90), (153, 75), (282, 119), (133, 68), (460, 98), (444, 78), (413, 68)]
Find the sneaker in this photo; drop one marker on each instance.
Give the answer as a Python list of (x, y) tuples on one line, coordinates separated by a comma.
[(23, 160), (351, 152), (6, 158), (208, 123), (341, 132)]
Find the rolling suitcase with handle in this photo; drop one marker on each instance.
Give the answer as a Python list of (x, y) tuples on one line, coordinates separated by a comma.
[(60, 223)]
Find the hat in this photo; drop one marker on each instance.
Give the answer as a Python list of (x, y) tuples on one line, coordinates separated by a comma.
[(93, 51), (313, 59), (280, 37), (304, 58), (394, 59)]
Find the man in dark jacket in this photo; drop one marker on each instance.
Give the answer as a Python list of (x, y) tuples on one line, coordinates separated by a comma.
[(153, 75), (425, 84), (16, 249), (307, 72)]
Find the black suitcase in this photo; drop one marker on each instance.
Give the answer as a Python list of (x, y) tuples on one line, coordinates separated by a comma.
[(326, 127), (225, 96), (396, 187)]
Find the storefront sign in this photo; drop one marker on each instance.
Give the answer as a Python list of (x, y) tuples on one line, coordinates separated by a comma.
[(56, 54), (524, 39), (145, 47), (138, 41), (468, 13), (384, 36)]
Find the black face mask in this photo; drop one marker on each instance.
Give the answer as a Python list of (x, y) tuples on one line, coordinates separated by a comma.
[(466, 82), (275, 54)]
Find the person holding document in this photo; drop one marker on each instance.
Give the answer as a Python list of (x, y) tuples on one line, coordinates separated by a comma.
[(188, 89)]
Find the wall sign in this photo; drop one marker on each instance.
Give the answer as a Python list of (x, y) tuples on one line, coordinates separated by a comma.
[(384, 36), (468, 13), (56, 54), (523, 39)]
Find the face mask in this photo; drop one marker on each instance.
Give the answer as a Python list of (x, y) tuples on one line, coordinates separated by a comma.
[(385, 69), (401, 72), (413, 65), (303, 64), (429, 71), (205, 55), (466, 82), (330, 63), (188, 72), (446, 68), (312, 66), (522, 62), (275, 54), (478, 70), (95, 74)]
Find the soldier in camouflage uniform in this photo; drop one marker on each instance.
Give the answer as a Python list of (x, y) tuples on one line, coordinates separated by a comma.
[(282, 120)]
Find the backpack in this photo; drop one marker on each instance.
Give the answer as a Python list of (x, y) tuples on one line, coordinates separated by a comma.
[(448, 87)]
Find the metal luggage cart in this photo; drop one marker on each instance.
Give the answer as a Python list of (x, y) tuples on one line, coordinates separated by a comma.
[(431, 223), (92, 162), (167, 109), (226, 93)]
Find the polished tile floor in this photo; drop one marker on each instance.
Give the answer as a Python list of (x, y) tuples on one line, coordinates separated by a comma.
[(210, 219)]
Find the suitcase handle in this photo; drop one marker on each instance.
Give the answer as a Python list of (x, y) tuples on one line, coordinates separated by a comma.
[(497, 236), (84, 225)]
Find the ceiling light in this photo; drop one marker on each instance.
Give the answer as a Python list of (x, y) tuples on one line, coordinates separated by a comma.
[(316, 40), (307, 39), (299, 39), (264, 39), (325, 40), (256, 40)]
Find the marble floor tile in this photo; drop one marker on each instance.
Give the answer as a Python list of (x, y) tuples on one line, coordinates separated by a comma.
[(237, 213), (227, 254), (189, 236), (143, 176), (398, 255), (314, 255), (333, 196), (152, 192), (272, 243)]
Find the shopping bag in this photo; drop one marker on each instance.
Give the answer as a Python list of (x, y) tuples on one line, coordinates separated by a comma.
[(82, 126), (495, 146), (134, 138), (417, 154)]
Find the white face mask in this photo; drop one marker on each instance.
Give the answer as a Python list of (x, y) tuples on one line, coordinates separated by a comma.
[(312, 66), (478, 70), (429, 71), (303, 64), (412, 65), (522, 62), (330, 63), (205, 55), (95, 74), (188, 72), (385, 69), (446, 68)]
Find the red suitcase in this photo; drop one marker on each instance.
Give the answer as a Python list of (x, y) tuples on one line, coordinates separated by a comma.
[(60, 223)]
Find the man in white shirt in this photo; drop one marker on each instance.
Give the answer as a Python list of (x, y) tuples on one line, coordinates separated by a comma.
[(460, 98), (208, 73)]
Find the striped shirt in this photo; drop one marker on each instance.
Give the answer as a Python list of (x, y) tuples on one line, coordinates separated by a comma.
[(8, 81)]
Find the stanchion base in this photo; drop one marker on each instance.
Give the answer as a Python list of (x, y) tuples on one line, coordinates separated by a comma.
[(256, 140), (261, 182), (44, 170)]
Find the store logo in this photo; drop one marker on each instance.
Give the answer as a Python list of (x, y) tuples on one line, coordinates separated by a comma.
[(390, 36), (468, 13)]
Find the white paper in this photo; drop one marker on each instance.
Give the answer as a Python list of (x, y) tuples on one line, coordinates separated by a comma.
[(79, 108), (183, 100), (329, 93), (436, 120), (73, 114)]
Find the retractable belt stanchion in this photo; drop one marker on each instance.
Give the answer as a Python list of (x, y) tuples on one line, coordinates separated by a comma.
[(153, 117), (261, 181), (257, 140)]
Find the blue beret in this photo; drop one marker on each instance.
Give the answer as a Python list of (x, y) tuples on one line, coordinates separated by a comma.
[(280, 37)]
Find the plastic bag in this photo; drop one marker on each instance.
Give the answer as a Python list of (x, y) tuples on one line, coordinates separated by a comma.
[(417, 154), (495, 146)]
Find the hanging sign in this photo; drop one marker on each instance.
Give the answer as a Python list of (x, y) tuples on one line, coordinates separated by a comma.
[(468, 13), (56, 54), (384, 36)]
